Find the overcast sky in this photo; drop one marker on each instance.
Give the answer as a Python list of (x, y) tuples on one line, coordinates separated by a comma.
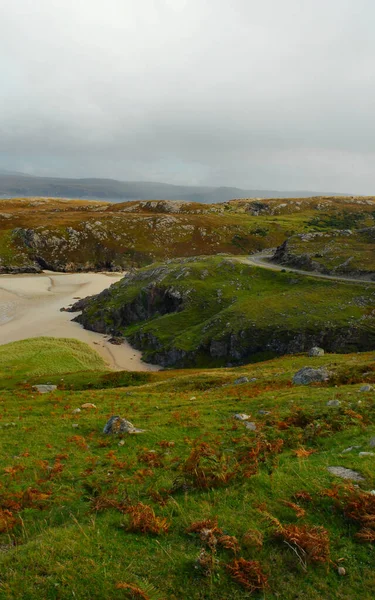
[(276, 94)]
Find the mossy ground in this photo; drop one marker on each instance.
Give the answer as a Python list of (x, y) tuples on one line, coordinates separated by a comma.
[(65, 490)]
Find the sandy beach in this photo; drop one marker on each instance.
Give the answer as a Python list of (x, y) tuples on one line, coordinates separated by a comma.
[(30, 307)]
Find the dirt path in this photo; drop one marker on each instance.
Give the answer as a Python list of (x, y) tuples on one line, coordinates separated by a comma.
[(263, 260)]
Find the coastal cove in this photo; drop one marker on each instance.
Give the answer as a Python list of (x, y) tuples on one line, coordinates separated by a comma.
[(30, 307)]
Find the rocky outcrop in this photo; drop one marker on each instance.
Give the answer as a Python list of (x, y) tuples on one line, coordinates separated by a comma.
[(308, 375), (284, 256)]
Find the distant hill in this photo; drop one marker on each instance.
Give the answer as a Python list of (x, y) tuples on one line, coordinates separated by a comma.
[(21, 185)]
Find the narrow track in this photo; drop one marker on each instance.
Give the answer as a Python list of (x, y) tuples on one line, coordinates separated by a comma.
[(263, 260)]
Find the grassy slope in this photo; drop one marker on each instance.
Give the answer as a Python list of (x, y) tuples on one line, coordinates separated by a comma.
[(84, 235), (62, 546), (225, 299), (44, 356)]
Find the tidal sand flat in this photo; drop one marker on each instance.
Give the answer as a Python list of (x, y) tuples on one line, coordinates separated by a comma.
[(30, 307)]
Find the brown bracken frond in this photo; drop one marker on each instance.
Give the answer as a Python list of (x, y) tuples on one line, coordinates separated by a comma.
[(300, 512), (7, 520), (248, 573), (309, 543), (253, 537), (302, 452), (133, 591), (144, 520), (229, 542), (302, 495)]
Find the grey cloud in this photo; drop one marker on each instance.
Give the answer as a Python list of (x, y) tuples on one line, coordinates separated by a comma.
[(255, 94)]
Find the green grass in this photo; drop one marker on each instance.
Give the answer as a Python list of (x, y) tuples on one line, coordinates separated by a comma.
[(62, 547), (44, 356)]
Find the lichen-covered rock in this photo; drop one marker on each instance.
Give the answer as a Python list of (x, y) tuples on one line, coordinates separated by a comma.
[(333, 403), (316, 351), (241, 380), (345, 473), (308, 375), (116, 425), (44, 388)]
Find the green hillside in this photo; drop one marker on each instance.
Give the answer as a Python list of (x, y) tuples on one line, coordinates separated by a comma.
[(199, 506), (215, 310), (46, 356)]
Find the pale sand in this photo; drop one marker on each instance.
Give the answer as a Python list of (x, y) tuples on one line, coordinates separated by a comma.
[(30, 307)]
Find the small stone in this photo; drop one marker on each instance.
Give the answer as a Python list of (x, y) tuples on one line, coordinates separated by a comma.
[(45, 388), (121, 443), (251, 426), (253, 379), (333, 403), (75, 425), (88, 405), (366, 388), (263, 412), (117, 425), (192, 398), (76, 411), (316, 351), (241, 417), (345, 473), (350, 449), (341, 571), (366, 454), (241, 380), (372, 442)]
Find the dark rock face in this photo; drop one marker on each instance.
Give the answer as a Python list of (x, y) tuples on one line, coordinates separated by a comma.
[(154, 300)]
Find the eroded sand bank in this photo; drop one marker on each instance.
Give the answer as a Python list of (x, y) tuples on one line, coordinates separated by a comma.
[(30, 307)]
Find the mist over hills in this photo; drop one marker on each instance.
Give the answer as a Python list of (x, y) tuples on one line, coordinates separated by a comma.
[(14, 184)]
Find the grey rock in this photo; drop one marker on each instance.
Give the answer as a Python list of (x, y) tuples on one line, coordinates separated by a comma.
[(240, 380), (366, 454), (241, 417), (333, 403), (118, 425), (45, 388), (372, 442), (76, 411), (308, 375), (366, 388), (264, 412), (316, 351), (251, 426), (350, 449), (345, 473)]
